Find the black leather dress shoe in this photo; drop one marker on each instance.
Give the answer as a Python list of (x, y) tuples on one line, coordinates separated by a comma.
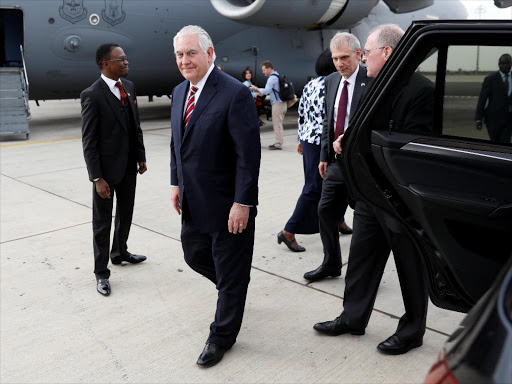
[(289, 243), (336, 327), (321, 272), (211, 355), (103, 287), (273, 147), (394, 346), (130, 258), (345, 230)]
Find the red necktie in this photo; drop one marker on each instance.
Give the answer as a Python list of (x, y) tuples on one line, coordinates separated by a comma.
[(190, 104), (342, 111), (123, 93)]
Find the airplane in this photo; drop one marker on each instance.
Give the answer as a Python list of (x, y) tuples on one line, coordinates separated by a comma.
[(51, 44)]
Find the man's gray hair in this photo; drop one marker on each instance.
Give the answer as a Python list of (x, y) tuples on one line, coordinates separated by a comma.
[(339, 38), (205, 41), (387, 35)]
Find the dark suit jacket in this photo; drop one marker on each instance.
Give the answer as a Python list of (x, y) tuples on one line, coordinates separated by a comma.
[(105, 134), (413, 107), (332, 82), (495, 114), (216, 162)]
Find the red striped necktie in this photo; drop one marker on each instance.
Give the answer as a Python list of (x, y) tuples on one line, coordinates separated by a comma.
[(342, 111), (123, 93), (191, 102)]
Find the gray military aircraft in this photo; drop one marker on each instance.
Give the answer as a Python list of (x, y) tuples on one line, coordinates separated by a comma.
[(58, 38)]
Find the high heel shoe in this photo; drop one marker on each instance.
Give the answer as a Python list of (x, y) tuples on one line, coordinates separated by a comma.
[(282, 239)]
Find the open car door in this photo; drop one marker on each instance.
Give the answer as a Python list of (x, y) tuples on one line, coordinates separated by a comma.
[(413, 150)]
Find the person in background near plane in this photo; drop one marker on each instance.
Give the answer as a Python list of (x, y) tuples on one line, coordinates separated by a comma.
[(247, 81), (343, 90), (113, 148), (279, 107), (304, 219), (497, 88), (375, 232), (215, 162)]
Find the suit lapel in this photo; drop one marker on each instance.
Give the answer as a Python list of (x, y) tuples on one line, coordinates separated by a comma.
[(178, 104), (113, 101), (501, 85), (359, 88), (209, 90), (333, 90), (130, 100)]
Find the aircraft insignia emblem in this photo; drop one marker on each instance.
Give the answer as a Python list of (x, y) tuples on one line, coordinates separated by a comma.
[(72, 10), (113, 12)]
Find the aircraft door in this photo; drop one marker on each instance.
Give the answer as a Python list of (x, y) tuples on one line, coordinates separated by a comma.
[(11, 37)]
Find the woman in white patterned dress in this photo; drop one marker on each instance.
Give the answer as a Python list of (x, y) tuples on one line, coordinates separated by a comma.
[(304, 219)]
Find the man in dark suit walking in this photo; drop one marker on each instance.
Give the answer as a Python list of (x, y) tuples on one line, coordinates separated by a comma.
[(215, 161), (376, 233), (343, 90), (497, 115), (113, 150)]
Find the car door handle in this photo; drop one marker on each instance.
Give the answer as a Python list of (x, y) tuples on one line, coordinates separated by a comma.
[(502, 212), (488, 156)]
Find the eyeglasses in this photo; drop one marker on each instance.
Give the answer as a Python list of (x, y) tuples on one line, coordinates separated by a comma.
[(366, 51), (121, 59)]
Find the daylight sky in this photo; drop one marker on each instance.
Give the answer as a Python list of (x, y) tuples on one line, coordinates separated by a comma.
[(490, 11)]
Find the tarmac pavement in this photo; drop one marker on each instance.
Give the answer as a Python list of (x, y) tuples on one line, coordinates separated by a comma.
[(55, 327)]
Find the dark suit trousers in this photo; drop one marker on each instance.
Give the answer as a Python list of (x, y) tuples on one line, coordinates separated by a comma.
[(102, 221), (373, 234), (331, 208), (305, 216), (501, 131), (225, 259)]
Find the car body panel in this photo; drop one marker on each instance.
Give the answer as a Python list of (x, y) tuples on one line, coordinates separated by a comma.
[(453, 193)]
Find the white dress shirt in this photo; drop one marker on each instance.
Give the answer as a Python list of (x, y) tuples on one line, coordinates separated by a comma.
[(112, 86), (199, 86), (351, 85)]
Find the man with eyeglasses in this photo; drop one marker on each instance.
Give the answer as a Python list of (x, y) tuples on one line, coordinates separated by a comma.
[(375, 233), (114, 153)]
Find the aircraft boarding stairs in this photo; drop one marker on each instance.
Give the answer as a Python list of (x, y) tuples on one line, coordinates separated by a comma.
[(14, 106)]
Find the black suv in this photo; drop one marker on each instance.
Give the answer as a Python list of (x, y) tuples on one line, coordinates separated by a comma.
[(448, 182)]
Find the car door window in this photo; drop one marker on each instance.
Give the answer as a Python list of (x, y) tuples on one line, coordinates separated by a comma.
[(459, 93), (478, 97)]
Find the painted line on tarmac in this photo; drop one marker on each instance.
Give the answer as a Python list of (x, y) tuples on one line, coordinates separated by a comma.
[(44, 190), (38, 142), (44, 233), (45, 173), (60, 140), (158, 233), (341, 297)]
